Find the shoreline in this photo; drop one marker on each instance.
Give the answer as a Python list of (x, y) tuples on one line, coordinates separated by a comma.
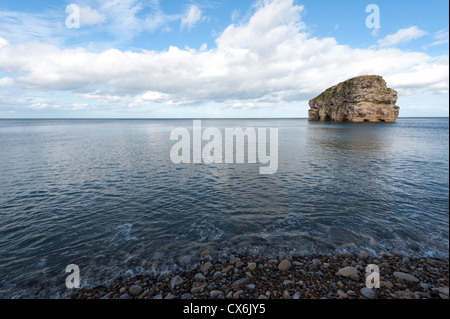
[(314, 276)]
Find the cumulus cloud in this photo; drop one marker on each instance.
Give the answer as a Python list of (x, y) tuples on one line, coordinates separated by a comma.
[(402, 36), (268, 59)]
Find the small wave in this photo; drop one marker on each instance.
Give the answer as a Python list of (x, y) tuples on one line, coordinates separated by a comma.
[(123, 235)]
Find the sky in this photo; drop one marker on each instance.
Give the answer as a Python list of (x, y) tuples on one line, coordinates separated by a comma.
[(213, 59)]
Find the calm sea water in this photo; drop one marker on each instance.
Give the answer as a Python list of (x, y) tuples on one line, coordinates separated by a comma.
[(104, 194)]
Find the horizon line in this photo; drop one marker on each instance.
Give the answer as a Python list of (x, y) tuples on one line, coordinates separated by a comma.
[(187, 118)]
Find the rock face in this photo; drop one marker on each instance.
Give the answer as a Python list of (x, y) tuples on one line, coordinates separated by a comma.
[(364, 98)]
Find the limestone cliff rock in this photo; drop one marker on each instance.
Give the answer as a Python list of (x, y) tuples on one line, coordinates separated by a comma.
[(364, 98)]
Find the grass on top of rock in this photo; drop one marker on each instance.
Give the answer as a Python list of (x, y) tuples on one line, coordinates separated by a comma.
[(346, 86)]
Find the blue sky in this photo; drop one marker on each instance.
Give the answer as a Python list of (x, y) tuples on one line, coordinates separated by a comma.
[(168, 59)]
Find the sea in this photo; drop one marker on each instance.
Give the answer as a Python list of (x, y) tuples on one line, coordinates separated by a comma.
[(105, 195)]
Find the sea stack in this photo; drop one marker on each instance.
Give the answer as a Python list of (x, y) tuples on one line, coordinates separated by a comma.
[(364, 98)]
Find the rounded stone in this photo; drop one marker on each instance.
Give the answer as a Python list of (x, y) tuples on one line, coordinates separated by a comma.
[(176, 281), (405, 277), (199, 277), (342, 295), (348, 271), (135, 290), (251, 266), (368, 293), (285, 265)]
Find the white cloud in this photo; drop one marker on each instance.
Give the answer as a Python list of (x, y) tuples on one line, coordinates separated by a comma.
[(440, 37), (79, 106), (154, 96), (265, 60), (191, 17), (3, 42), (5, 82), (402, 36), (20, 27), (104, 98), (89, 16)]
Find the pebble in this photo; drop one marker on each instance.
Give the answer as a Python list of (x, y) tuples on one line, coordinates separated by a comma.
[(144, 294), (286, 295), (406, 294), (317, 262), (251, 266), (176, 281), (368, 293), (135, 290), (285, 265), (240, 282), (237, 294), (226, 269), (206, 266), (240, 264), (363, 254), (342, 295), (443, 290), (199, 277), (215, 293), (250, 287), (264, 279), (351, 293), (198, 288), (386, 284), (425, 295), (348, 271), (405, 277)]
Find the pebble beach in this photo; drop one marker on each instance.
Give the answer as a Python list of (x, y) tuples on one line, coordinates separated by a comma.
[(340, 276)]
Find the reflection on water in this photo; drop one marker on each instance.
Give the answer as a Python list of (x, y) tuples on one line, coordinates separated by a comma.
[(103, 194)]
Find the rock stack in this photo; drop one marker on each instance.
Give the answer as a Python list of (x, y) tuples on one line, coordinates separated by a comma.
[(364, 98)]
